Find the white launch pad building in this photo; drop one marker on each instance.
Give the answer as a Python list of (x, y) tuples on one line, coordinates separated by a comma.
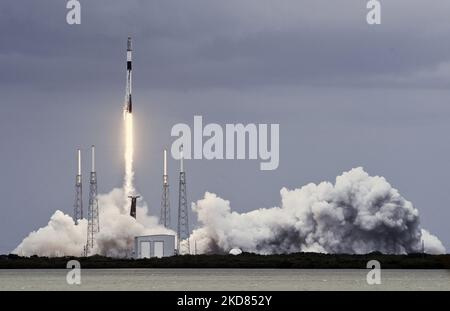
[(148, 246)]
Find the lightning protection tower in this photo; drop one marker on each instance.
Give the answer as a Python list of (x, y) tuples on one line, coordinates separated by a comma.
[(183, 220), (78, 206), (165, 204), (93, 217)]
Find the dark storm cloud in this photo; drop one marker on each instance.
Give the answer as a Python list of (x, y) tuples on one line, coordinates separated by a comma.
[(223, 44)]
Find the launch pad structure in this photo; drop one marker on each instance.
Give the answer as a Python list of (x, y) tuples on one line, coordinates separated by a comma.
[(93, 215), (78, 205), (164, 218), (183, 218), (133, 205)]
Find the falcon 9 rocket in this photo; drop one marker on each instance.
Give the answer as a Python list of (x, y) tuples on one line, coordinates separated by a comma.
[(128, 104)]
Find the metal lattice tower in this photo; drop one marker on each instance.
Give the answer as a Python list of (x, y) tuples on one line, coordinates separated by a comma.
[(164, 219), (93, 218), (183, 219), (78, 206)]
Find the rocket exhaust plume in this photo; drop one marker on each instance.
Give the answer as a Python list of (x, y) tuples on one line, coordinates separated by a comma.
[(128, 155)]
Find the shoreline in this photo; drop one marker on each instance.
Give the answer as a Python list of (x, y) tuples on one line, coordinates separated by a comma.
[(244, 261)]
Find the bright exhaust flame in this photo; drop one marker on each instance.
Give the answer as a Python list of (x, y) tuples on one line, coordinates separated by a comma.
[(129, 150)]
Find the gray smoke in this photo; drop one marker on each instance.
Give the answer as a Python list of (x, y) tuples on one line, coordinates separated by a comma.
[(358, 214)]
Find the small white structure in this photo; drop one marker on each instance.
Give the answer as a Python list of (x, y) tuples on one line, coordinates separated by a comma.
[(148, 246), (235, 251)]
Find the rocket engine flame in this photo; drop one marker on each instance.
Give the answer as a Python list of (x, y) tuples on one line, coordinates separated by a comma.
[(128, 155)]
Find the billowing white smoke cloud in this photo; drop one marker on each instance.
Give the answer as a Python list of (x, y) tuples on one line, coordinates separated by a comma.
[(61, 237), (432, 243), (358, 214)]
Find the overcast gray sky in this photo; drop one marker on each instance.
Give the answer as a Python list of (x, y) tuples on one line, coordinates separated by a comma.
[(345, 94)]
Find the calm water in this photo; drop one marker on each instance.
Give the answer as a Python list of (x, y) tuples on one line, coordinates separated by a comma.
[(223, 279)]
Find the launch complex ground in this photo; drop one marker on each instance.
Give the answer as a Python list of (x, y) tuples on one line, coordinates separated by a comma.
[(245, 260)]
